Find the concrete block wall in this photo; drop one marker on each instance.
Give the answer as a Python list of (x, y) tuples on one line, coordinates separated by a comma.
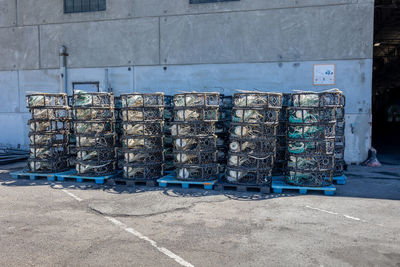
[(172, 46)]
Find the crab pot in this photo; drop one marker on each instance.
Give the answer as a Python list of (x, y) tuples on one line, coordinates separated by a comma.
[(323, 147), (257, 100), (48, 152), (237, 160), (50, 113), (46, 100), (142, 171), (93, 113), (313, 99), (142, 142), (248, 176), (201, 114), (313, 131), (143, 128), (89, 140), (194, 157), (195, 143), (255, 115), (133, 100), (142, 114), (49, 126), (201, 100), (196, 172), (191, 129), (253, 130), (94, 127), (48, 166), (89, 168), (92, 100)]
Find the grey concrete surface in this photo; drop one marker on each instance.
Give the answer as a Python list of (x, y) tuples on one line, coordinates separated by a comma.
[(268, 35), (8, 13), (42, 225), (111, 43), (19, 48)]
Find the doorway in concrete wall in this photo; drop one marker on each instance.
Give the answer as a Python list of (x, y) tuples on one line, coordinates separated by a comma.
[(386, 81)]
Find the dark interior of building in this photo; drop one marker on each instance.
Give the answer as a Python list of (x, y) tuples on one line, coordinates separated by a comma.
[(386, 81)]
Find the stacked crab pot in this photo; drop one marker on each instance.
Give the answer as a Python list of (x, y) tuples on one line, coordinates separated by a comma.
[(193, 133), (49, 132), (311, 138), (252, 146), (143, 133), (94, 127), (340, 139)]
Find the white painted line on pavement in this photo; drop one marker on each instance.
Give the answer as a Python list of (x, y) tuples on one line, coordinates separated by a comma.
[(72, 195), (335, 213), (152, 242), (139, 235)]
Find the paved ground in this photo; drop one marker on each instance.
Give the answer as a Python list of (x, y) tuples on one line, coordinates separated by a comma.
[(69, 224)]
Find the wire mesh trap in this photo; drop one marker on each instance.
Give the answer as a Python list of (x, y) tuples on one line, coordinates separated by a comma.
[(49, 130), (94, 125), (194, 135), (311, 137), (143, 135), (253, 136)]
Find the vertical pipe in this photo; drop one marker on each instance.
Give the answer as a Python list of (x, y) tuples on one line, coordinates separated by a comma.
[(63, 69)]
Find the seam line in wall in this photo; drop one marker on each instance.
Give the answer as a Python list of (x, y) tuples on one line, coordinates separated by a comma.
[(193, 14), (39, 59), (159, 40), (19, 93), (190, 64)]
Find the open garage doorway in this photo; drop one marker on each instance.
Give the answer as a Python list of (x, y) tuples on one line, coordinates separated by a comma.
[(386, 81)]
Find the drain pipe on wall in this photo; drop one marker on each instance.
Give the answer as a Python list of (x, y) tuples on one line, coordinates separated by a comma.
[(63, 70)]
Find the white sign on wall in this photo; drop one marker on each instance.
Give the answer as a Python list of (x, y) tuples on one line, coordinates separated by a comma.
[(324, 74)]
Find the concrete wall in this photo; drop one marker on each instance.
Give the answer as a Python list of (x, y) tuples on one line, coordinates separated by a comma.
[(171, 45)]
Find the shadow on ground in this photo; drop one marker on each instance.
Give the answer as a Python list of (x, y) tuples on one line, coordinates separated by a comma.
[(363, 182)]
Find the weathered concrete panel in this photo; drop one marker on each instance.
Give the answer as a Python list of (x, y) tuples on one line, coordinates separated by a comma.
[(14, 130), (9, 101), (358, 137), (353, 77), (106, 43), (46, 81), (271, 35), (7, 13), (179, 7), (19, 48), (52, 11)]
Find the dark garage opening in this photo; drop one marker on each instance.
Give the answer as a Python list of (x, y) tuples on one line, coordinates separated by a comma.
[(386, 81)]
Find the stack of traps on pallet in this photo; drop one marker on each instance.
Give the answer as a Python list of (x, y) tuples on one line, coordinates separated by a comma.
[(311, 138), (143, 133), (94, 128), (193, 133), (253, 133), (48, 132)]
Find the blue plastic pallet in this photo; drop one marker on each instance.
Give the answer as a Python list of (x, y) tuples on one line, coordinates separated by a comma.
[(278, 186), (37, 175), (80, 179), (340, 180), (170, 179)]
